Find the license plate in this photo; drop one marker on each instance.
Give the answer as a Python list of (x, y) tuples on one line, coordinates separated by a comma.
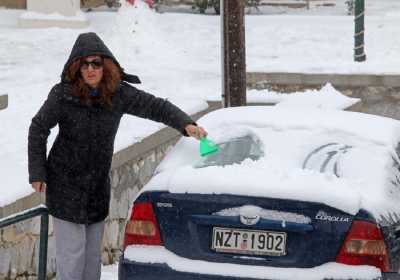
[(251, 242)]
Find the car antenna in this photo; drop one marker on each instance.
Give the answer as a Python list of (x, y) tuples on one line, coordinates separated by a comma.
[(207, 147)]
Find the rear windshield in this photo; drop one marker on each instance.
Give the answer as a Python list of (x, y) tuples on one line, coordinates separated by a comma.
[(233, 151)]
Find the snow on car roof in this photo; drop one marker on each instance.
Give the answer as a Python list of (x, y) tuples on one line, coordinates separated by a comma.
[(342, 159)]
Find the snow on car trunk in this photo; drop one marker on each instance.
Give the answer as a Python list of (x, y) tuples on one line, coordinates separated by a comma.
[(157, 254), (341, 159)]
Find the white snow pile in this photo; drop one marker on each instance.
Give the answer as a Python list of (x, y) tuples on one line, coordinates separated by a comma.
[(160, 255), (288, 136), (252, 211), (325, 98)]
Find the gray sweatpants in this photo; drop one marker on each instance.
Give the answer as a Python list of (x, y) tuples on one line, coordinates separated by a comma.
[(78, 250)]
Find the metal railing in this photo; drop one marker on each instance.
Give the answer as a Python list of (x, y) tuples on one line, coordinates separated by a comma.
[(44, 229), (359, 54)]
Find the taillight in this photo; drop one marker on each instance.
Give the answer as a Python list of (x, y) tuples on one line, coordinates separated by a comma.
[(142, 228), (364, 245)]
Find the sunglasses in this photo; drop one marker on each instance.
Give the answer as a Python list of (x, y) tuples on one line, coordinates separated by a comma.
[(96, 64)]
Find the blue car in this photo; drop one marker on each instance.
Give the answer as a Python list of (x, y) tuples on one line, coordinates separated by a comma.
[(291, 194)]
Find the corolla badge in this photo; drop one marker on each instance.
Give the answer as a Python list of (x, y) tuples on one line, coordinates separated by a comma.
[(249, 220), (321, 215)]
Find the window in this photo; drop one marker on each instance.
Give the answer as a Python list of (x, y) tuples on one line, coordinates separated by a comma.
[(233, 151)]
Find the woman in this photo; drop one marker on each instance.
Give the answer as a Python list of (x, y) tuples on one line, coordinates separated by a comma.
[(87, 105)]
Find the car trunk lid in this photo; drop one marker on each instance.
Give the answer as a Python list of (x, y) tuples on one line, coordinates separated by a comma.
[(250, 230)]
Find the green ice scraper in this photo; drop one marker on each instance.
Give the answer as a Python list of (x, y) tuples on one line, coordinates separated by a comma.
[(207, 147)]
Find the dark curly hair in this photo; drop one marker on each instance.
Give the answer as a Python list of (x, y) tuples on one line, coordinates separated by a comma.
[(108, 84)]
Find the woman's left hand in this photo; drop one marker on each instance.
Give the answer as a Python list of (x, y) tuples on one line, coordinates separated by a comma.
[(195, 131)]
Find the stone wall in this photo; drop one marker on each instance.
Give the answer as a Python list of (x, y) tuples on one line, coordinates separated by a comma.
[(19, 247), (131, 170)]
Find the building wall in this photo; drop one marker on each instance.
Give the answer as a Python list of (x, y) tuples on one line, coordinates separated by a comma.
[(66, 8), (22, 4), (92, 3), (13, 4)]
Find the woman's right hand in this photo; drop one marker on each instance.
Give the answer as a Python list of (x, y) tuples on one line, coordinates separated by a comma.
[(39, 186)]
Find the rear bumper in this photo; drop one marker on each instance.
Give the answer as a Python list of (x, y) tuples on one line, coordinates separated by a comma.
[(133, 270), (391, 276), (129, 270), (151, 265)]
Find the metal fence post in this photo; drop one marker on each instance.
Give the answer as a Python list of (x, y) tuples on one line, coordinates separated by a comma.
[(359, 54), (44, 229)]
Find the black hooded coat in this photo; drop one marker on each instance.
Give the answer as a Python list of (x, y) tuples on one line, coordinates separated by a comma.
[(76, 170)]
